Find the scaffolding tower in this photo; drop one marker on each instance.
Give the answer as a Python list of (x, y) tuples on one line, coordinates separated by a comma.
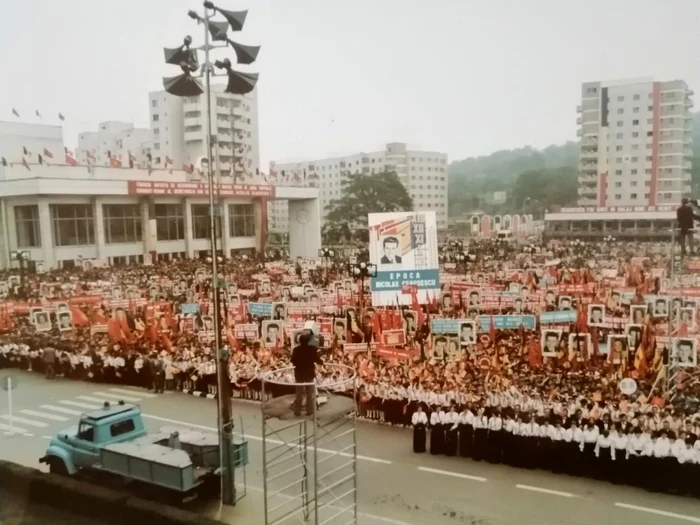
[(674, 317), (310, 461)]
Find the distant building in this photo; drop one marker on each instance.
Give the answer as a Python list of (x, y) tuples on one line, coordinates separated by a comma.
[(179, 134), (116, 139), (635, 147), (423, 174), (497, 197), (19, 140)]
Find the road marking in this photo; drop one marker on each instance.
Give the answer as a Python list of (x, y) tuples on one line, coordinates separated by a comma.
[(546, 491), (363, 514), (47, 437), (44, 415), (24, 421), (659, 512), (118, 397), (258, 438), (94, 400), (453, 474), (132, 392), (62, 410), (80, 405), (12, 429)]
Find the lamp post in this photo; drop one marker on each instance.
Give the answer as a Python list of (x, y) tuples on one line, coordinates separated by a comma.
[(326, 255), (360, 271), (187, 85)]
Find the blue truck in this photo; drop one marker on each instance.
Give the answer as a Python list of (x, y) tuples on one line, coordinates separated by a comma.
[(114, 440)]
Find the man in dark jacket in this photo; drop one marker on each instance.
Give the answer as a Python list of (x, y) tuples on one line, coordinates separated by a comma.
[(304, 358), (686, 221)]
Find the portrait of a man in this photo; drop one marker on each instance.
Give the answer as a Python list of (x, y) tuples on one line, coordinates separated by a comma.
[(550, 342), (618, 345), (550, 298), (661, 307), (279, 311), (467, 334), (65, 321), (272, 332), (565, 302), (685, 352), (634, 335), (474, 298), (446, 301), (410, 325), (339, 330), (439, 347), (638, 314), (390, 247), (596, 314)]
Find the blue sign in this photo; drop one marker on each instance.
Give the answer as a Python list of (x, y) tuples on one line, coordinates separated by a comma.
[(507, 322), (562, 316), (260, 309), (189, 308), (393, 281), (444, 326)]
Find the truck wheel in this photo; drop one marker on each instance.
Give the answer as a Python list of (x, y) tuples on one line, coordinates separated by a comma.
[(57, 466)]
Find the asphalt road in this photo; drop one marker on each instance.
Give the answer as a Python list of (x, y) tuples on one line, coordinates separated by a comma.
[(395, 486)]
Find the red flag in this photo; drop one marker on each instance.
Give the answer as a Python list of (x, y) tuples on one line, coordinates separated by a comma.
[(71, 161), (114, 329), (115, 163), (79, 317), (534, 353), (492, 331), (24, 163), (48, 154), (596, 344), (416, 306), (376, 325)]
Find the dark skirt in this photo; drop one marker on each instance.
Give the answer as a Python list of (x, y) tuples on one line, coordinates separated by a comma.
[(437, 440), (419, 438), (495, 446), (466, 436), (451, 437), (480, 443)]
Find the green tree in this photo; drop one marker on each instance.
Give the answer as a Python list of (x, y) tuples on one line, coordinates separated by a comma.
[(535, 191), (364, 194)]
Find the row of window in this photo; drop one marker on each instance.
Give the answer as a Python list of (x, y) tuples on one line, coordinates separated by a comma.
[(74, 224)]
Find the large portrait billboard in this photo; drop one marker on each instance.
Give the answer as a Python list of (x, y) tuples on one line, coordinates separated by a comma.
[(404, 247)]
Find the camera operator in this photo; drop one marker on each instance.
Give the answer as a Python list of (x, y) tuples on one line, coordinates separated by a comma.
[(304, 358), (686, 221)]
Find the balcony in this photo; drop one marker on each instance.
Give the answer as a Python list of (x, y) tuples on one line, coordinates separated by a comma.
[(579, 109), (588, 201), (588, 192), (579, 121), (579, 132), (687, 152), (194, 121), (193, 136), (688, 103), (588, 177), (588, 155)]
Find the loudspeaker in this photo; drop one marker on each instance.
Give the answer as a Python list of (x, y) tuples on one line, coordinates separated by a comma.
[(235, 18)]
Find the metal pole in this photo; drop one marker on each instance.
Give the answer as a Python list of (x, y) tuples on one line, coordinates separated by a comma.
[(264, 448), (9, 404), (228, 487)]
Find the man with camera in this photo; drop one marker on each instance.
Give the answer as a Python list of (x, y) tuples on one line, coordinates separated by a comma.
[(686, 221), (304, 358)]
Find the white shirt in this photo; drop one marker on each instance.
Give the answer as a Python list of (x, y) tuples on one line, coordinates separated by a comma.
[(662, 448), (602, 442), (434, 419), (687, 455), (524, 430), (419, 418), (495, 423), (452, 418)]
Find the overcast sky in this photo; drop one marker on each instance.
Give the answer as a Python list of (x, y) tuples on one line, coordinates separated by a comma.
[(466, 77)]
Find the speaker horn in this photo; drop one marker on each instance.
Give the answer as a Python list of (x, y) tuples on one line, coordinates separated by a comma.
[(180, 56), (217, 30), (183, 85), (245, 54), (235, 18)]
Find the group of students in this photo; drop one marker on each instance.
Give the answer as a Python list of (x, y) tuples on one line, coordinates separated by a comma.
[(618, 452)]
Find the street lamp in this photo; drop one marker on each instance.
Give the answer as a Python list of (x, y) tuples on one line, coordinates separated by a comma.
[(609, 239), (326, 253), (360, 271), (187, 85)]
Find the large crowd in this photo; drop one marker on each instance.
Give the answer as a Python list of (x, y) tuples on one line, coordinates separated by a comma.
[(561, 394)]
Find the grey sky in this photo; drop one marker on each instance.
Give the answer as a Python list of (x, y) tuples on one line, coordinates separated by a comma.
[(462, 76)]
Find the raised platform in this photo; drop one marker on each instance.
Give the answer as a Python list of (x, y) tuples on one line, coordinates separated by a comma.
[(282, 408)]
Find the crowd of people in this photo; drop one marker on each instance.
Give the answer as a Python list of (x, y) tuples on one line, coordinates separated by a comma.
[(582, 404)]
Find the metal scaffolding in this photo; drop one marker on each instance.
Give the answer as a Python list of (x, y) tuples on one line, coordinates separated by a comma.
[(310, 462)]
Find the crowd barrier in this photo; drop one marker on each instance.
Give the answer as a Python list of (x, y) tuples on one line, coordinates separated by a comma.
[(88, 500)]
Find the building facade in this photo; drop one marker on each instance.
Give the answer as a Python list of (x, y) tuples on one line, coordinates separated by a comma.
[(178, 126), (635, 147), (628, 223), (23, 141), (114, 140), (423, 174), (62, 215)]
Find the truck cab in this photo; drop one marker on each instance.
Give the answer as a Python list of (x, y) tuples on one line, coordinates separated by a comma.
[(79, 447)]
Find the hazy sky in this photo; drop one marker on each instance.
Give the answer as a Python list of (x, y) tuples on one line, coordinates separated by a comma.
[(463, 76)]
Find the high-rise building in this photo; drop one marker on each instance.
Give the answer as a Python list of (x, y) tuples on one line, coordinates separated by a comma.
[(423, 174), (118, 140), (179, 134), (24, 141), (635, 143)]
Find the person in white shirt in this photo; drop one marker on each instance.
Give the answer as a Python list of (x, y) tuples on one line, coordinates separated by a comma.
[(588, 443), (437, 432), (495, 437), (604, 452), (481, 428), (451, 431), (419, 420), (619, 442), (466, 433)]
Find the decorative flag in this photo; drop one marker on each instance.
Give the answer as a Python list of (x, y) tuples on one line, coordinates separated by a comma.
[(132, 160), (90, 156), (187, 169), (71, 161), (25, 150), (48, 154), (168, 160), (41, 159), (38, 114), (4, 161), (114, 162), (14, 112), (61, 117)]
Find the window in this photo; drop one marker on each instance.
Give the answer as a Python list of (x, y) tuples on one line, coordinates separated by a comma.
[(635, 134), (618, 172), (619, 123), (618, 184), (241, 221), (170, 222), (635, 159), (620, 99), (633, 183), (73, 224), (27, 224), (122, 223), (619, 135), (154, 103), (86, 432), (635, 110), (650, 133), (646, 195), (635, 97), (155, 118), (635, 122), (618, 148), (634, 172), (620, 111), (647, 184), (649, 158), (647, 171), (618, 196), (122, 427)]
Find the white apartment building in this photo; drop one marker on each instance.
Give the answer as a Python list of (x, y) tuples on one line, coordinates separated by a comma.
[(635, 145), (118, 139), (178, 126), (36, 138), (423, 173)]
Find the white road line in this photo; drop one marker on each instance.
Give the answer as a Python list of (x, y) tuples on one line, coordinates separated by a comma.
[(36, 413), (692, 519), (24, 421), (453, 474), (13, 428), (61, 410), (258, 438), (118, 397), (47, 437), (363, 514), (93, 399), (546, 491), (80, 405), (132, 392)]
